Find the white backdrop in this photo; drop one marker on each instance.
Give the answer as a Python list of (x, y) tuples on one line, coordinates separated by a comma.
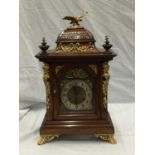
[(114, 18)]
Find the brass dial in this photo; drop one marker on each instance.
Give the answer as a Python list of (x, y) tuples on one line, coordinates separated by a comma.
[(77, 95)]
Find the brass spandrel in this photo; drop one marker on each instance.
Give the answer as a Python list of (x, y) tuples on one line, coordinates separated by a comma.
[(93, 67)]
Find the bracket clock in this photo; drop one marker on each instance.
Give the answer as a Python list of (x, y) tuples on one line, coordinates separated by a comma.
[(76, 76)]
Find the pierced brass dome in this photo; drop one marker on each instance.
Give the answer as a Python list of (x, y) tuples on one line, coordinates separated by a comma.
[(75, 40), (74, 35)]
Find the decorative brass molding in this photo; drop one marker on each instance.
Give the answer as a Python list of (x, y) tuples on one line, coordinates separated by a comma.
[(76, 73), (58, 68), (46, 138), (107, 137), (75, 47), (106, 77), (93, 67), (46, 78)]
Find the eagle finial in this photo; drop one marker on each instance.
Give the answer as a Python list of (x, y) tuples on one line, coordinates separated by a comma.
[(74, 20)]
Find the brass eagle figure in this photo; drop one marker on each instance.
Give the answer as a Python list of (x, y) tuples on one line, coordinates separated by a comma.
[(75, 19)]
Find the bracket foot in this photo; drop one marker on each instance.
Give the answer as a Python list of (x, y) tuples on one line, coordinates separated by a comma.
[(46, 138), (107, 137)]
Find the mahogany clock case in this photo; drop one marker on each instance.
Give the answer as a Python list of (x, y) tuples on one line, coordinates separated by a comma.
[(76, 123), (84, 109)]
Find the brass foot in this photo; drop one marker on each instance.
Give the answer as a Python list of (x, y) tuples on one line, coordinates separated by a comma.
[(107, 137), (46, 138), (111, 139)]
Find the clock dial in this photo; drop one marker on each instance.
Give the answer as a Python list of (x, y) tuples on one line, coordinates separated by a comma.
[(77, 95)]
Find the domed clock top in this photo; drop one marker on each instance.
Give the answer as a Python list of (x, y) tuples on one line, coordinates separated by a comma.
[(76, 39)]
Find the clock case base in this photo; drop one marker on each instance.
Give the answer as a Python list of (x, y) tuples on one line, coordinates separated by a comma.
[(102, 129)]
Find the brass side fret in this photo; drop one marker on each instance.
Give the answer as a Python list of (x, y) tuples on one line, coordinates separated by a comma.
[(106, 77), (46, 78)]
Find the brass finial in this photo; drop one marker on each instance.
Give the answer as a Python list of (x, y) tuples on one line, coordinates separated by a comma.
[(44, 47), (74, 20), (107, 44)]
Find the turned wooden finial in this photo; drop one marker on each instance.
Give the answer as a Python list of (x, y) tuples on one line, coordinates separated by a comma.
[(44, 47), (107, 44)]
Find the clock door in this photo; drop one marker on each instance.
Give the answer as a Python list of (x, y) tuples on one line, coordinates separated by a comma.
[(76, 94)]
